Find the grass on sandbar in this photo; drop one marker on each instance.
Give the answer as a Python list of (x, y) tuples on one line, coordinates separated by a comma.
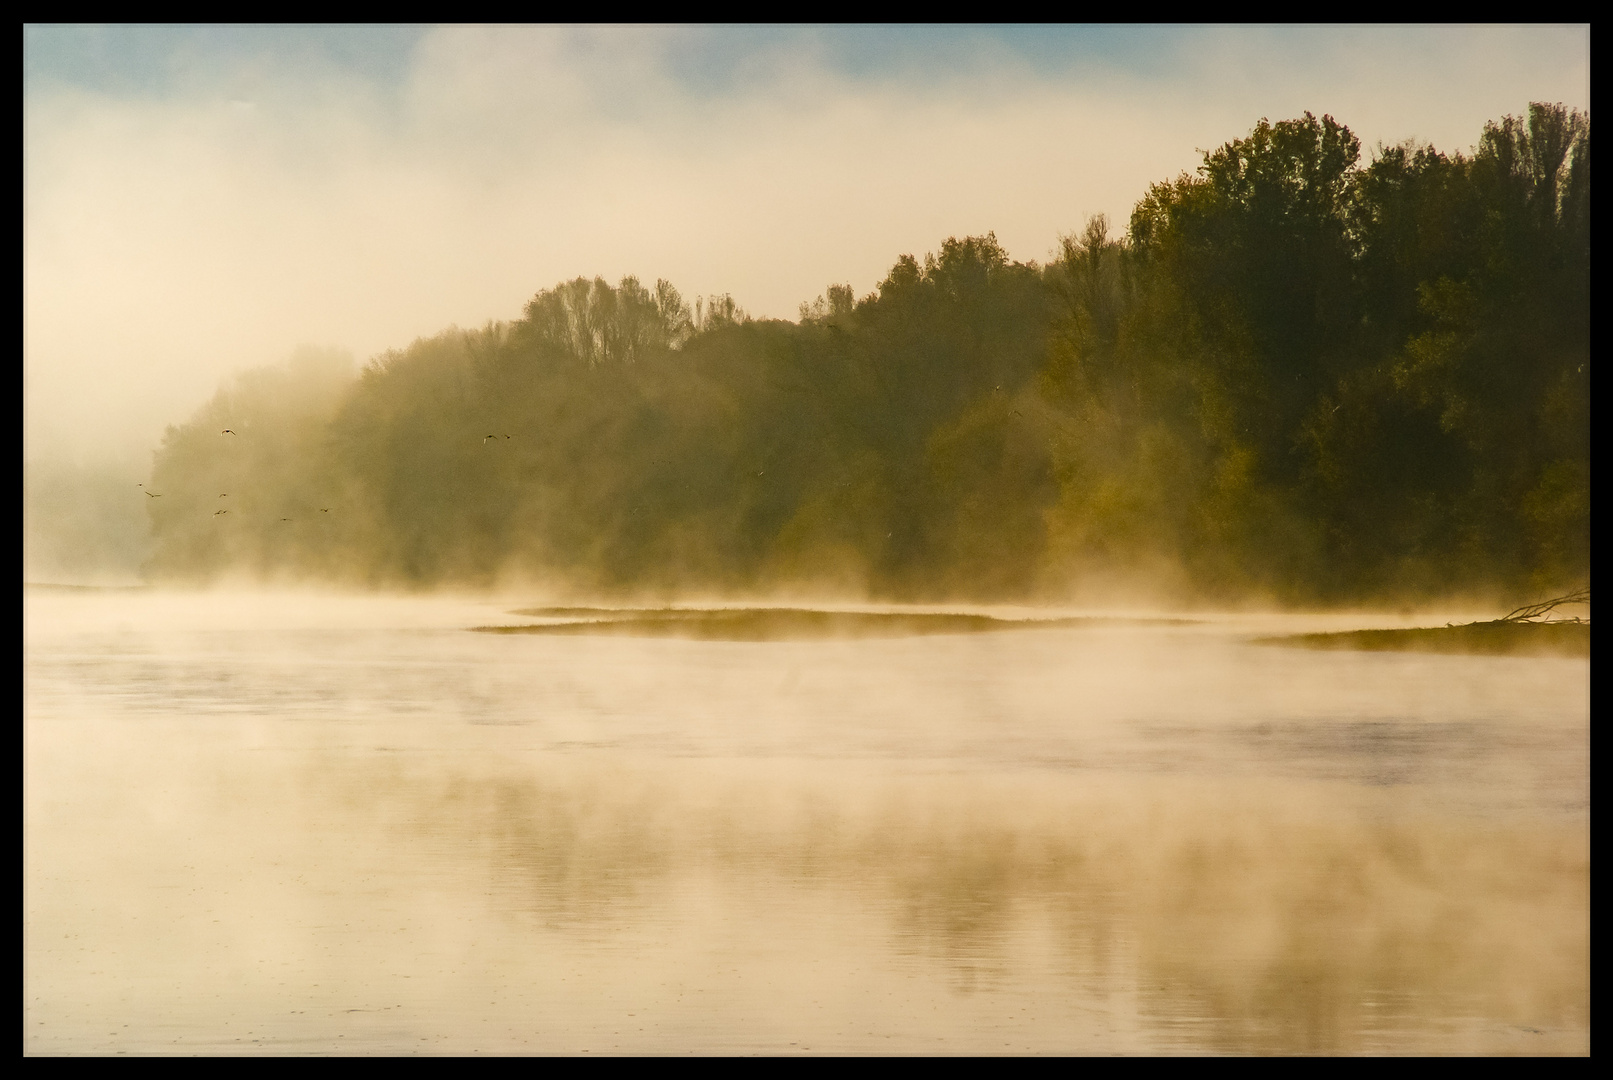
[(1499, 638), (769, 624)]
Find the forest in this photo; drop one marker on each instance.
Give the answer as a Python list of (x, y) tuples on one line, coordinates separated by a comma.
[(1295, 374)]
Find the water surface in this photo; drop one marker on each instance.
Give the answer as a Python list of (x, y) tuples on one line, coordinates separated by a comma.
[(285, 823)]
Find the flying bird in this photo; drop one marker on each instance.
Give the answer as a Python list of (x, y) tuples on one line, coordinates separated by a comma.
[(324, 509), (153, 494), (226, 431), (216, 513)]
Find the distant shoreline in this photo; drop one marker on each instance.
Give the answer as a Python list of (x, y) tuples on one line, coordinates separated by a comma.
[(778, 624), (1498, 638), (50, 586)]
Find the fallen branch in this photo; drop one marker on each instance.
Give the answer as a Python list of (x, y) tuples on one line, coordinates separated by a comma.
[(1534, 612)]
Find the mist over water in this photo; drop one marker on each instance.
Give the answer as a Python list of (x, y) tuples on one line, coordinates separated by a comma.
[(302, 822), (449, 682)]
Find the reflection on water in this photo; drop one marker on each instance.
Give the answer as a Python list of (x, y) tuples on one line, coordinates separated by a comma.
[(264, 823)]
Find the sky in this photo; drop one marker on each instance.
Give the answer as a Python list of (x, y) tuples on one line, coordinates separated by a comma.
[(199, 201)]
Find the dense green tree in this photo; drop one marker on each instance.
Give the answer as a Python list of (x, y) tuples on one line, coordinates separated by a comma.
[(1298, 375)]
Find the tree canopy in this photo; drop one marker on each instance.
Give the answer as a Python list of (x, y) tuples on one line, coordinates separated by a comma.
[(1297, 374)]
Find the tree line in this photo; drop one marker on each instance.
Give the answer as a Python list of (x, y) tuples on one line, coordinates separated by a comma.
[(1295, 374)]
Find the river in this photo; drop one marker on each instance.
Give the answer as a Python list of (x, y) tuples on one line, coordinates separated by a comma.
[(294, 823)]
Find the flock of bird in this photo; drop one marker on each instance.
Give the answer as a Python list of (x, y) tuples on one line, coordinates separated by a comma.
[(225, 495)]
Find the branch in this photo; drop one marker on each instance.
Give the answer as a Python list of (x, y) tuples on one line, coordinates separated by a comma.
[(1532, 612)]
